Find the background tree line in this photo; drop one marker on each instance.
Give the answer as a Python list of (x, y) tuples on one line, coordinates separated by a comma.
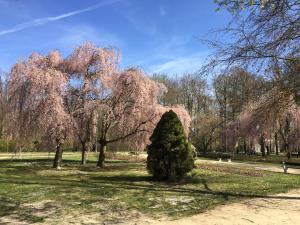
[(217, 108)]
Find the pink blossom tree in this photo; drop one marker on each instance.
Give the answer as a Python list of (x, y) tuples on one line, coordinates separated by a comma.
[(273, 116), (124, 102), (131, 110), (90, 71), (36, 90), (84, 95), (140, 140)]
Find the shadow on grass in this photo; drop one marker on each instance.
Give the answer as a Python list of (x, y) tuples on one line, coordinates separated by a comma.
[(130, 182), (28, 213), (20, 166), (97, 182)]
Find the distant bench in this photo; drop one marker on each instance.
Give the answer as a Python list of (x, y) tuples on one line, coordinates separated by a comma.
[(225, 157), (286, 165), (295, 154)]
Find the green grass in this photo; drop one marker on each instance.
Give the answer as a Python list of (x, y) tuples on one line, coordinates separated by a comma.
[(31, 191)]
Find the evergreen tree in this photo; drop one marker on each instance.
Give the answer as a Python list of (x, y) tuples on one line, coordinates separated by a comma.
[(169, 155)]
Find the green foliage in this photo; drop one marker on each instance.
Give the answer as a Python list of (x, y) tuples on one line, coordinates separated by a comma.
[(7, 146), (169, 155)]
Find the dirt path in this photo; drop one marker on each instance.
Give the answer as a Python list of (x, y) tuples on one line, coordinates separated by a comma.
[(257, 166), (283, 209)]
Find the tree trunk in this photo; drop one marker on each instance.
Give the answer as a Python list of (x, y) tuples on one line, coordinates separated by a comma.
[(101, 158), (263, 152), (83, 154), (268, 149), (58, 156), (262, 146), (287, 148), (204, 150), (245, 146), (205, 147), (276, 144)]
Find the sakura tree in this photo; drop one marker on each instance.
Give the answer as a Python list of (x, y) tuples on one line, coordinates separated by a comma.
[(288, 128), (90, 72), (36, 100), (274, 116), (140, 140), (86, 96), (131, 110)]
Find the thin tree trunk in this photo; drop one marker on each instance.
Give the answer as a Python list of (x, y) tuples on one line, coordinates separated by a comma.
[(58, 156), (287, 148), (263, 152), (83, 154), (262, 146), (101, 158), (205, 147), (268, 149), (276, 144)]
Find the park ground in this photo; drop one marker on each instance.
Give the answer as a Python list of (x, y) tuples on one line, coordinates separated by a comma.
[(31, 192)]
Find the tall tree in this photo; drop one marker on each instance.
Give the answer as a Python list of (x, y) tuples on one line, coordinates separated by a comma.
[(86, 95), (36, 100), (233, 91), (90, 71), (205, 131), (270, 116), (262, 33), (130, 108)]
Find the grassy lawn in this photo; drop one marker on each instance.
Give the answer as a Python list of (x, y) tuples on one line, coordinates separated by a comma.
[(30, 191)]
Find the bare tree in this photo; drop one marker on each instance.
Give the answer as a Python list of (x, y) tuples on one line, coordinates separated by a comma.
[(261, 34)]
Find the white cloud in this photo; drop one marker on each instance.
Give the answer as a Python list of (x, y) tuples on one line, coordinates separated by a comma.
[(174, 46), (45, 20), (180, 65), (78, 34)]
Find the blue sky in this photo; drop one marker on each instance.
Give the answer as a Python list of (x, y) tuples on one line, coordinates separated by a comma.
[(160, 36)]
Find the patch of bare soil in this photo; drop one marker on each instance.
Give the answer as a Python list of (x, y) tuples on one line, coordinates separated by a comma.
[(282, 209), (50, 213)]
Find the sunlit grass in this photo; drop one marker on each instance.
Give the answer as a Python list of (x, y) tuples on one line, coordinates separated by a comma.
[(32, 191)]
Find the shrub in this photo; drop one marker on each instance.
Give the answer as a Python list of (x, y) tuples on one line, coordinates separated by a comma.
[(170, 155), (7, 146)]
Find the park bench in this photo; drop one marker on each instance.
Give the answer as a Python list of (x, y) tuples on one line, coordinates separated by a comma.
[(134, 153), (286, 165), (295, 154), (225, 157)]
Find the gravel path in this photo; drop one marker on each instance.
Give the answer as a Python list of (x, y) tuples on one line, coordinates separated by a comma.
[(257, 166)]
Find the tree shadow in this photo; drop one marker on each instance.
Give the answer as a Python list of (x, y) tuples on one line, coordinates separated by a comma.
[(110, 183), (28, 213), (131, 182)]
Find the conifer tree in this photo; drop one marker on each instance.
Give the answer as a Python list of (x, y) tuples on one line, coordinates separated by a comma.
[(169, 154)]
